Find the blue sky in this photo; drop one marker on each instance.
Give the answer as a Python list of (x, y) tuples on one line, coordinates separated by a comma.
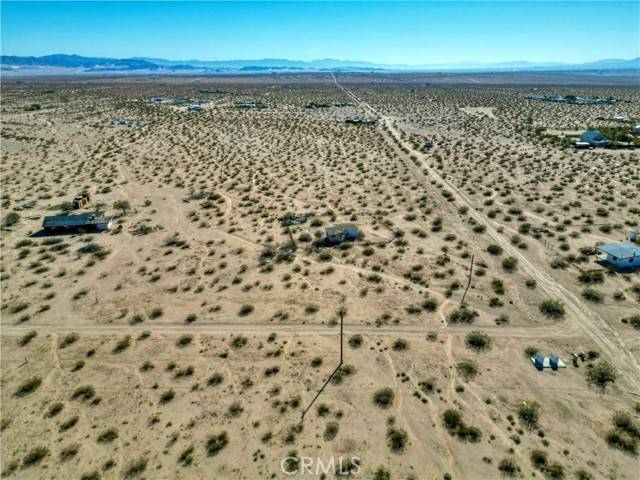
[(383, 32)]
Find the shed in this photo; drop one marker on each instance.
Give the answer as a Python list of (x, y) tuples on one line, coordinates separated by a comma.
[(621, 255), (595, 139), (84, 221), (342, 232), (80, 201)]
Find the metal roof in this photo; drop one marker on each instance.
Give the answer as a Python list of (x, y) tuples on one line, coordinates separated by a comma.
[(341, 228), (620, 250), (73, 220)]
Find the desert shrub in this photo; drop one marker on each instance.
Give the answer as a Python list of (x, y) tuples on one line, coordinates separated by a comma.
[(623, 421), (593, 295), (590, 278), (135, 468), (463, 314), (83, 393), (245, 310), (397, 440), (35, 456), (215, 379), (381, 474), (552, 309), (582, 474), (122, 345), (184, 340), (601, 374), (633, 320), (316, 362), (622, 441), (452, 419), (510, 264), (28, 387), (311, 309), (155, 313), (478, 341), (529, 414), (215, 443), (54, 409), (235, 409), (400, 345), (238, 341), (356, 341), (107, 436), (70, 423), (427, 386), (69, 452), (508, 467), (455, 425), (467, 369), (494, 249), (167, 396), (95, 475), (331, 431), (26, 339), (11, 219), (186, 457), (69, 339), (539, 459), (383, 398), (430, 304)]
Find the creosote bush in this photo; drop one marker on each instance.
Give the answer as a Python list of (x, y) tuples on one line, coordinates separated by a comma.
[(383, 398)]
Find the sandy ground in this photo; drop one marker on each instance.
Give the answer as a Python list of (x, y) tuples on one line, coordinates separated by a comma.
[(197, 290)]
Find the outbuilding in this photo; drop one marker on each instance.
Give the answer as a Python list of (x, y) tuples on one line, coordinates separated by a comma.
[(595, 139), (621, 255), (84, 221), (342, 232)]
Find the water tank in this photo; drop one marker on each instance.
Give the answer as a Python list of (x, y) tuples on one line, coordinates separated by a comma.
[(538, 361)]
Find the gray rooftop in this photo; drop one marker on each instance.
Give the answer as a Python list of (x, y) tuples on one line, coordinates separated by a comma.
[(58, 221), (620, 250)]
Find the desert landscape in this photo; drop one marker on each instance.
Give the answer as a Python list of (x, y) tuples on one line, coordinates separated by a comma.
[(187, 340)]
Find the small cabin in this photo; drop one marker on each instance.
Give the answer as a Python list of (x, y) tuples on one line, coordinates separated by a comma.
[(595, 139), (342, 232), (621, 255), (80, 201), (84, 221)]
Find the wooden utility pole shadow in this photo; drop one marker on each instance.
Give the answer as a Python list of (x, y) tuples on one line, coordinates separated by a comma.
[(334, 372), (469, 282)]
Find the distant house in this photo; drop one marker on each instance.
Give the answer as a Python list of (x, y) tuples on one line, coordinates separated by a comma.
[(246, 105), (595, 139), (342, 232), (621, 255), (84, 221)]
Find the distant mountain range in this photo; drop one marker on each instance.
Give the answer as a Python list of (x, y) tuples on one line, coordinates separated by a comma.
[(76, 64)]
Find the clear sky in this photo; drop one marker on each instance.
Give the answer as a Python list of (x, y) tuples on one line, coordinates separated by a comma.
[(382, 32)]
